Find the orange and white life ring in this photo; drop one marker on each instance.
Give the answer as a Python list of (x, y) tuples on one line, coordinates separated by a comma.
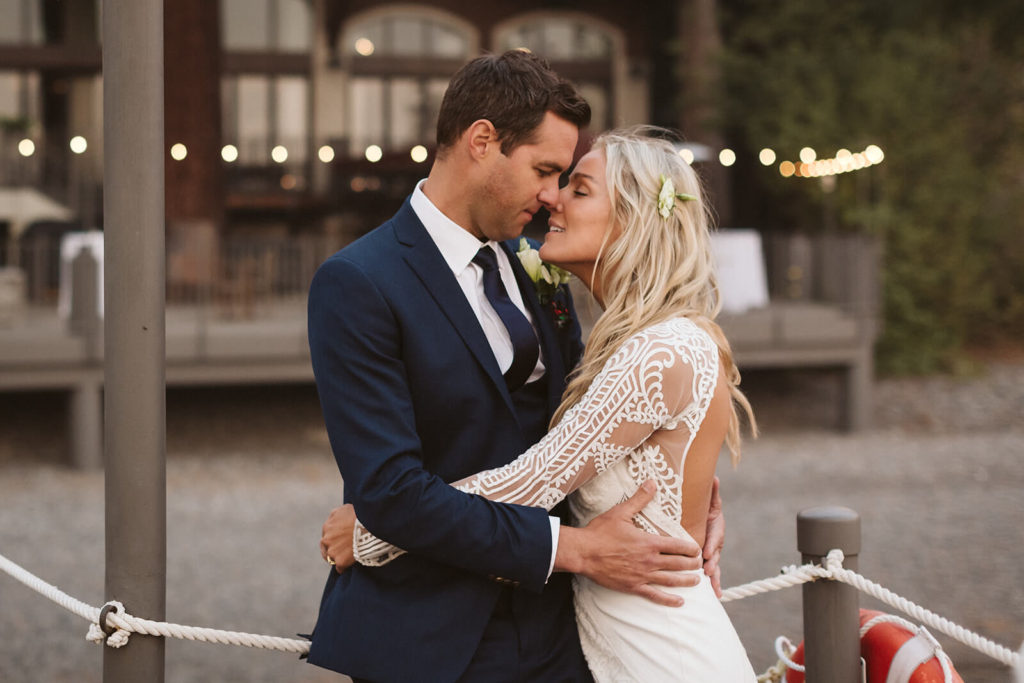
[(894, 651)]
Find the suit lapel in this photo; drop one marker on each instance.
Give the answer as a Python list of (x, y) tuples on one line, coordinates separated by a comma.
[(425, 260)]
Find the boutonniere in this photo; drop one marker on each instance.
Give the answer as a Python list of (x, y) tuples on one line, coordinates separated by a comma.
[(546, 278)]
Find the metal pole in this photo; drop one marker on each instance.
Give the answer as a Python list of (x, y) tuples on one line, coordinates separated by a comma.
[(831, 614), (135, 428), (85, 407)]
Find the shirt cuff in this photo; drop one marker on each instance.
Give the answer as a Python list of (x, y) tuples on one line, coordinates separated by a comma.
[(556, 525)]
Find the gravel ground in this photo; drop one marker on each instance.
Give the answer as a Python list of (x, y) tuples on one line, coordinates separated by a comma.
[(938, 484)]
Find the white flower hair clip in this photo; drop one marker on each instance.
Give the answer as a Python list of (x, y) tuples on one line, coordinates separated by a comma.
[(668, 195)]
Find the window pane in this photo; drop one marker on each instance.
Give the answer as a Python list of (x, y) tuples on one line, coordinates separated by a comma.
[(435, 93), (294, 25), (10, 96), (21, 22), (229, 109), (405, 113), (597, 97), (446, 42), (293, 116), (560, 39), (245, 24), (367, 104), (253, 119), (408, 37)]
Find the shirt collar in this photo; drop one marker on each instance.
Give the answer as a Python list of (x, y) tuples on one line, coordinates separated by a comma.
[(457, 245)]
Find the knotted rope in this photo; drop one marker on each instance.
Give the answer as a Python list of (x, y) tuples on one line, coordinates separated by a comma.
[(119, 624), (833, 569)]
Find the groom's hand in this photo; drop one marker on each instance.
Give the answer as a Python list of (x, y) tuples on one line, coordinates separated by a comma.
[(336, 538), (614, 553)]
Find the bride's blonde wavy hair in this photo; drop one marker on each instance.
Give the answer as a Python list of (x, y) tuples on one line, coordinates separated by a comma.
[(657, 268)]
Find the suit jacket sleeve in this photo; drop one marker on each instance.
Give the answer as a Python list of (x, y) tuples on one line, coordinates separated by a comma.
[(361, 377)]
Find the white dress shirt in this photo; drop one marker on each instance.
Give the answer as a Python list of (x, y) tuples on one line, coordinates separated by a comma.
[(458, 247)]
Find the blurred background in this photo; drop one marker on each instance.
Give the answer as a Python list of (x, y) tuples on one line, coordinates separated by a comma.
[(865, 161)]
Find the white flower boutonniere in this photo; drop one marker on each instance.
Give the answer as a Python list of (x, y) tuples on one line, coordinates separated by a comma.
[(547, 278), (668, 195)]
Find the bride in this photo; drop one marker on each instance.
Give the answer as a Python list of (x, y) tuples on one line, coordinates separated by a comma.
[(654, 398)]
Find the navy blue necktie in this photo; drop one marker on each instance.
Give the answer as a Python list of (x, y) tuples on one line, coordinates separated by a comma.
[(524, 341)]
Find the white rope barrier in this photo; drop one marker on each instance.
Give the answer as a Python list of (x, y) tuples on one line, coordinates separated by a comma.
[(125, 624), (121, 624)]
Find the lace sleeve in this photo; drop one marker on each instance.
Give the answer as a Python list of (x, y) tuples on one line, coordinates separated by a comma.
[(645, 386)]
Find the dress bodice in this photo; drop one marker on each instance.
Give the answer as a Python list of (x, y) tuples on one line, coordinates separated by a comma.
[(636, 422)]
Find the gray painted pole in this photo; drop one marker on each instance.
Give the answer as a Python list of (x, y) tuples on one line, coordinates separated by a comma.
[(831, 614), (135, 429)]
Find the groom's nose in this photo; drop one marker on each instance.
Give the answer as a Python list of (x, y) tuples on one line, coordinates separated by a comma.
[(548, 195)]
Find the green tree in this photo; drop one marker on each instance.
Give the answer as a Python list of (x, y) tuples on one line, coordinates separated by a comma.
[(941, 92)]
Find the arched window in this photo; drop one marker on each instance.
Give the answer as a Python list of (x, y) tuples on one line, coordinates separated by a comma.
[(579, 47), (400, 60), (407, 35)]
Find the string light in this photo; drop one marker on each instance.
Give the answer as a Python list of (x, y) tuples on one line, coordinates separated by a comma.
[(844, 161), (419, 154), (374, 154), (178, 151), (229, 153), (26, 147), (326, 154)]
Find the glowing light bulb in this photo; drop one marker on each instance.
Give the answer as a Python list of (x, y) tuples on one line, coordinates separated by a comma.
[(874, 154), (767, 156), (374, 154), (326, 154), (418, 153), (364, 46), (229, 153), (178, 151)]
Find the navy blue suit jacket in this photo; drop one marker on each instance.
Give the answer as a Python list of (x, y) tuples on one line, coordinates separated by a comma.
[(413, 398)]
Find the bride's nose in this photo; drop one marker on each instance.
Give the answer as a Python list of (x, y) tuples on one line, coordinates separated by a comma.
[(557, 206)]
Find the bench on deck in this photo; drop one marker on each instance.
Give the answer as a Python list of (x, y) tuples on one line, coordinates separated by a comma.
[(798, 302)]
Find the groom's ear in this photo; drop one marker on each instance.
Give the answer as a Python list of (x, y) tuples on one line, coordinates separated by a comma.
[(481, 139)]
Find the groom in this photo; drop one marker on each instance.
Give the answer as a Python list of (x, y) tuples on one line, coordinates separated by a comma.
[(421, 382)]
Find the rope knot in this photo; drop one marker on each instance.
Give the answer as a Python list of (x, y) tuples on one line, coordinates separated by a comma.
[(102, 632), (834, 560)]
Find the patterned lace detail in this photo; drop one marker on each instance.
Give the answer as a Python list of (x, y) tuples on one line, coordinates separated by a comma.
[(636, 422)]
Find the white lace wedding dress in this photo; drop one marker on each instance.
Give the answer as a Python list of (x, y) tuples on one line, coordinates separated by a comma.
[(636, 422)]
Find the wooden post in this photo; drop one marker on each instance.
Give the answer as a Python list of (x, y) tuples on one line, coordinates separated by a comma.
[(831, 613)]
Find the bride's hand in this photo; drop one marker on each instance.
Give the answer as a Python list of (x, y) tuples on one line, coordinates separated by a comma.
[(336, 538), (614, 553), (714, 540)]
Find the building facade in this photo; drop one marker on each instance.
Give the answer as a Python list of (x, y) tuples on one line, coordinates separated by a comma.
[(297, 118)]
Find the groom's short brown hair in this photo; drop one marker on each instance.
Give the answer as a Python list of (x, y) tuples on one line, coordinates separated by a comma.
[(513, 91)]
